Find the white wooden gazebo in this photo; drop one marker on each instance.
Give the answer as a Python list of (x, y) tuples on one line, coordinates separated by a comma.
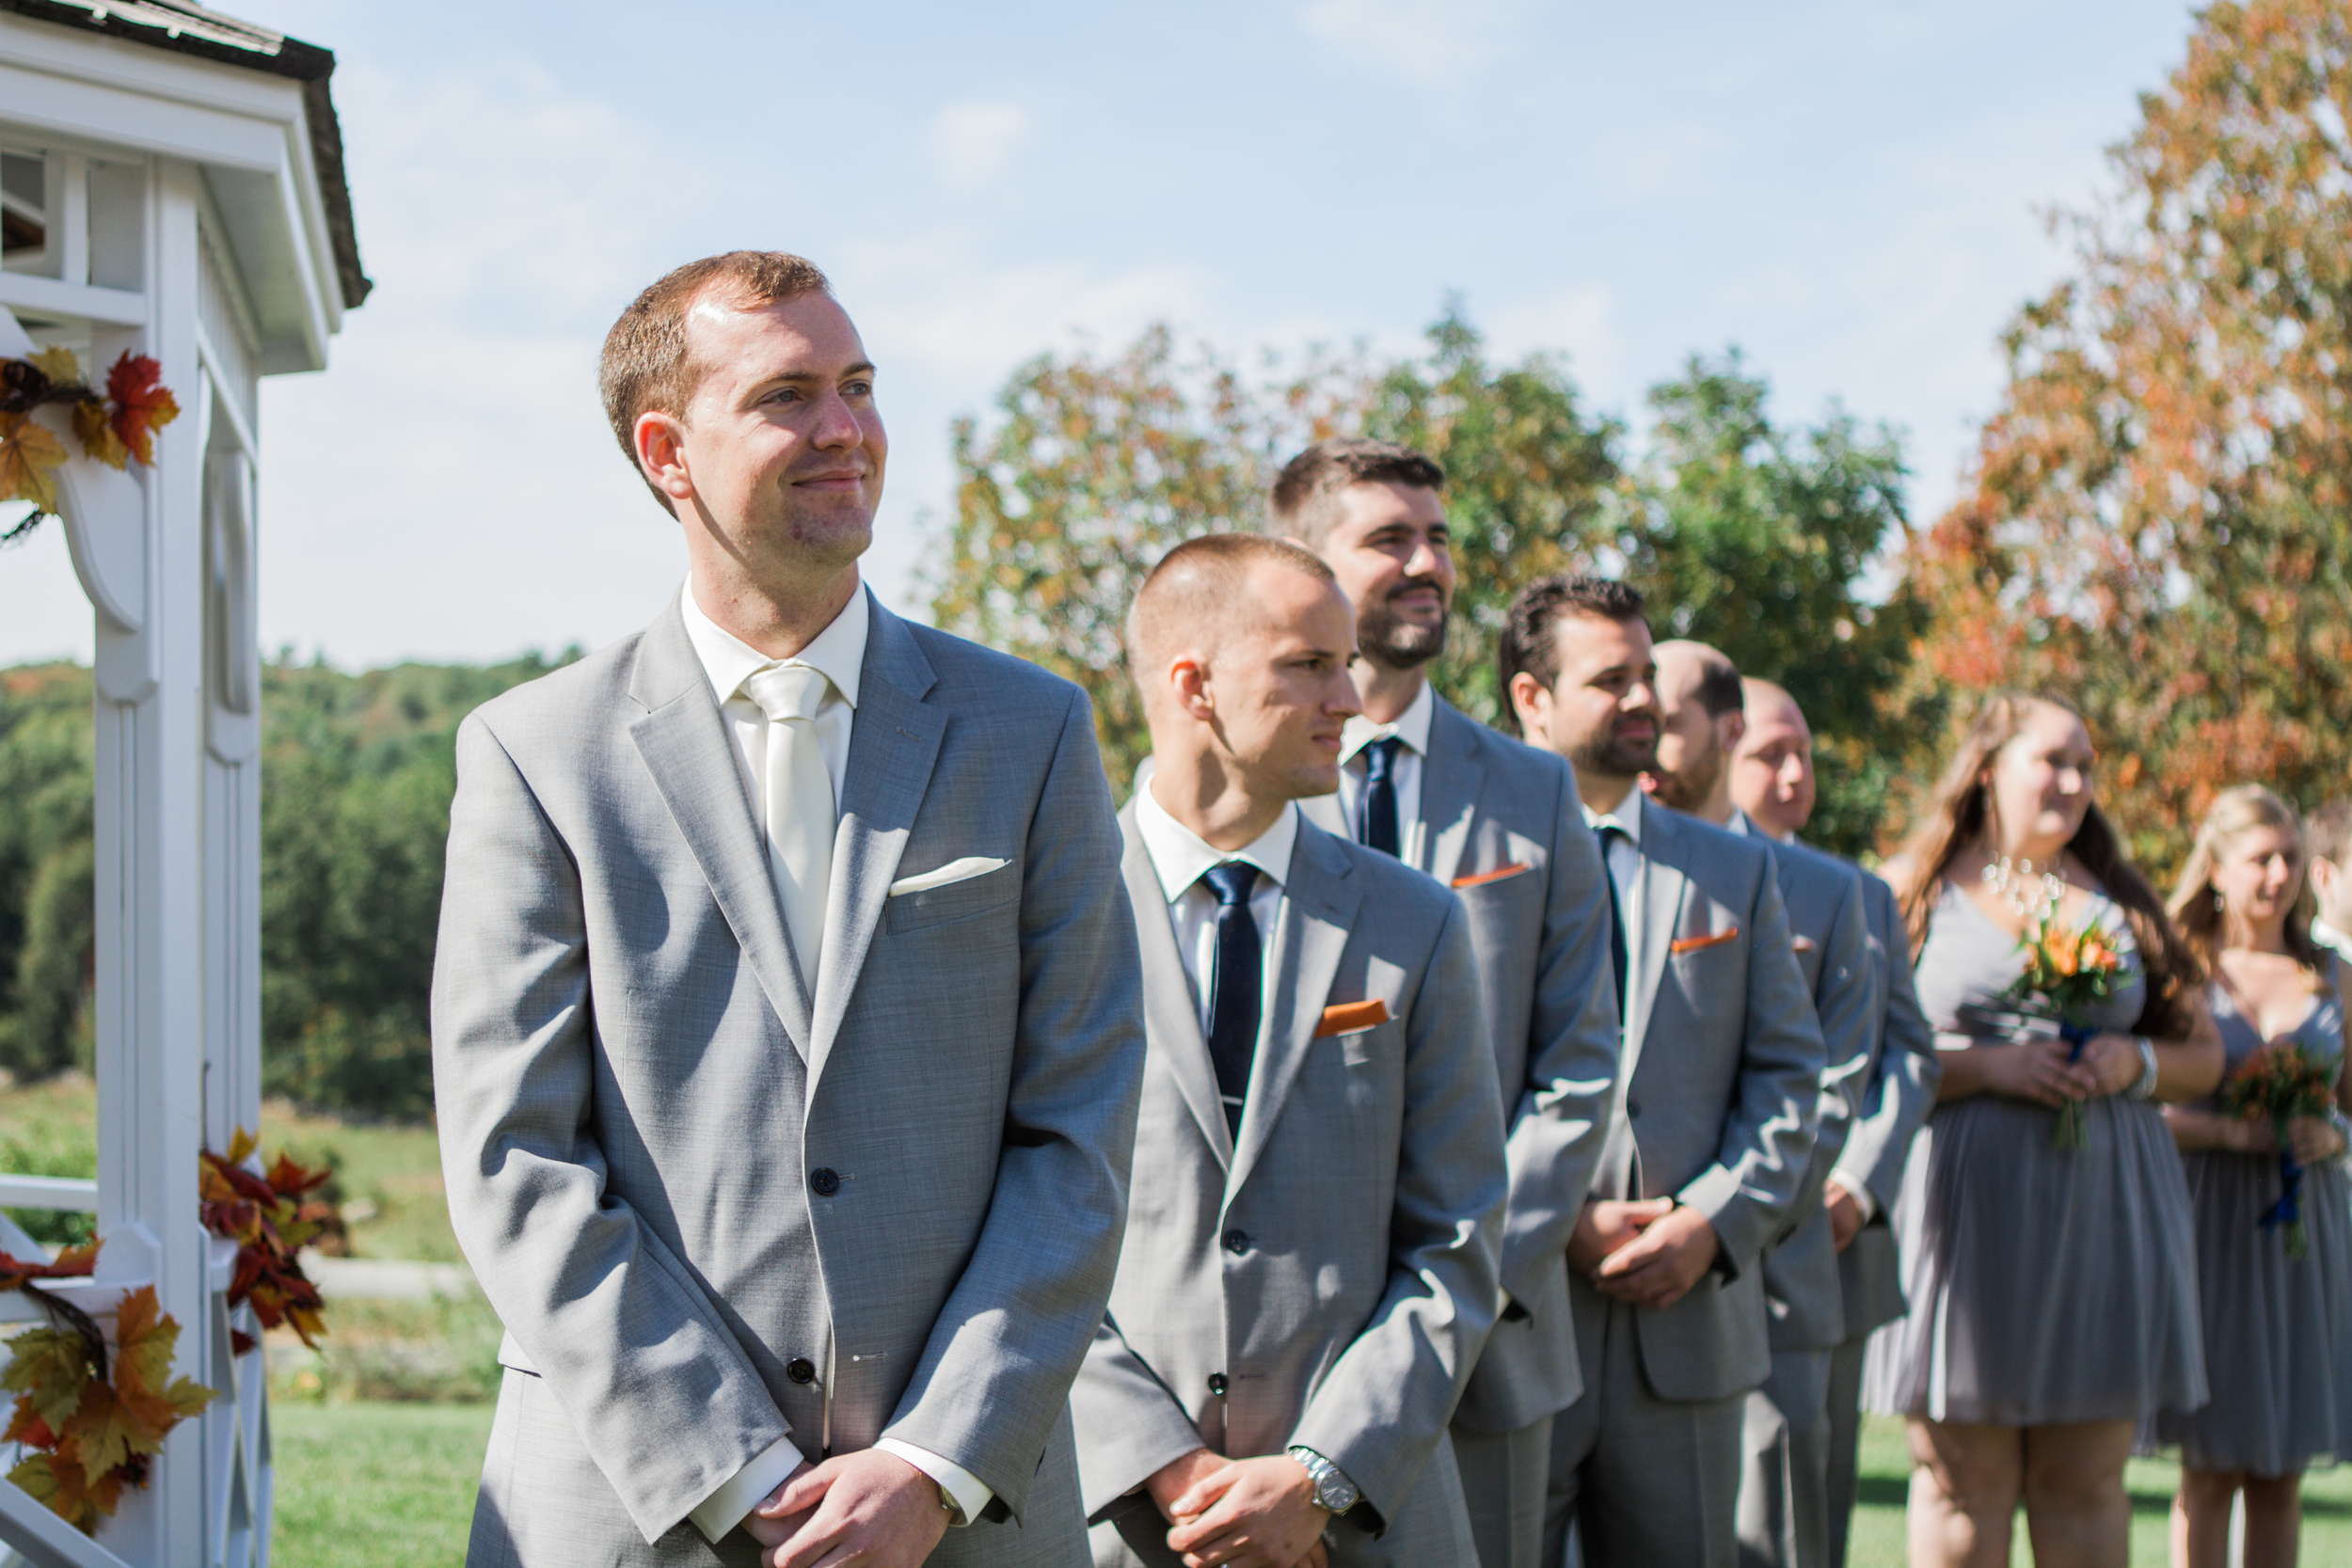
[(173, 185)]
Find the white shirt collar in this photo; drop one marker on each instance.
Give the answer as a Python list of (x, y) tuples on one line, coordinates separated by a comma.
[(1625, 814), (1411, 727), (1178, 855), (837, 653), (2328, 936), (1739, 823)]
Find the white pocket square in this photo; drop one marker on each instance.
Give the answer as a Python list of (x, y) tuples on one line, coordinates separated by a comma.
[(954, 871)]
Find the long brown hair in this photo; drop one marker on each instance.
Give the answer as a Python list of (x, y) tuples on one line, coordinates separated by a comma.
[(2196, 904), (1960, 815)]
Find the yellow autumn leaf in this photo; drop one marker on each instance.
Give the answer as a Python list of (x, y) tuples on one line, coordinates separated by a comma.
[(58, 364), (97, 434), (50, 1367), (29, 455)]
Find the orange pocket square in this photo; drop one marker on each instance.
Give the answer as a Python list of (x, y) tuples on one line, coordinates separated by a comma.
[(1712, 939), (1346, 1017), (1801, 945), (1483, 877)]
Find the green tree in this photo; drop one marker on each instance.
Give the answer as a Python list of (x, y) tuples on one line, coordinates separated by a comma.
[(1759, 539), (45, 868)]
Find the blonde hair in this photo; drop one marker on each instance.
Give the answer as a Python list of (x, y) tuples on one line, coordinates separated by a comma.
[(2195, 903)]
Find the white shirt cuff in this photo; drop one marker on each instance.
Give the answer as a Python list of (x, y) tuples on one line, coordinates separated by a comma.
[(1859, 1192), (725, 1508), (970, 1493)]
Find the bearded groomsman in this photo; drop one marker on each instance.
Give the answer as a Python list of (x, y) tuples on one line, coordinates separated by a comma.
[(1783, 1479), (1712, 1128), (1499, 822), (1772, 782), (1309, 1269)]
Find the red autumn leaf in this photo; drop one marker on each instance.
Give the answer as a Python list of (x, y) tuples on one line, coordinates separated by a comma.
[(142, 404)]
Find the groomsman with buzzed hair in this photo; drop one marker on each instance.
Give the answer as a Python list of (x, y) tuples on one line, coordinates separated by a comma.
[(1785, 1446), (1499, 822), (1772, 782)]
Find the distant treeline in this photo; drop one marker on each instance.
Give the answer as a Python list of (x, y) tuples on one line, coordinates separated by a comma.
[(355, 782)]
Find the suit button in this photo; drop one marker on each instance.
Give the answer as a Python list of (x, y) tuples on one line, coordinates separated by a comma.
[(823, 1182), (800, 1369), (1238, 1242), (1633, 1106), (1216, 1384)]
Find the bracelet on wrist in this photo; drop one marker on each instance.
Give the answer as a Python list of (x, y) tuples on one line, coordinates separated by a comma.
[(2146, 1087)]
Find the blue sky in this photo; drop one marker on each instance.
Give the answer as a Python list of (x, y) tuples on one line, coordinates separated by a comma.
[(1853, 193)]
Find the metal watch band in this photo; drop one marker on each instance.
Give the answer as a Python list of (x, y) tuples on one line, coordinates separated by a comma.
[(1334, 1491)]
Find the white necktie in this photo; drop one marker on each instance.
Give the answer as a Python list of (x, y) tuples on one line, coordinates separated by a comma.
[(796, 803)]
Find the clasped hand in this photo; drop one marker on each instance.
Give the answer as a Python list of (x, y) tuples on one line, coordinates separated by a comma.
[(2038, 1068), (870, 1508), (2312, 1140), (1240, 1512), (1649, 1252)]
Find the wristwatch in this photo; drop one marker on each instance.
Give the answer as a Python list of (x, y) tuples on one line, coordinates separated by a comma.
[(953, 1509), (1334, 1491)]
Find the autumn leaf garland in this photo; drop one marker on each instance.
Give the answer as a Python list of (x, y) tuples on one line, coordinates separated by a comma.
[(115, 428)]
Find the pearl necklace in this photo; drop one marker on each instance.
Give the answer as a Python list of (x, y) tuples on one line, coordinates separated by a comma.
[(2019, 888)]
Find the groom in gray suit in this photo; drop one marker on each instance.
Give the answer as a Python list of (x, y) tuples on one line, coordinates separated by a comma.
[(1772, 782), (1784, 1444), (786, 1019), (1309, 1262), (1499, 822), (1712, 1127)]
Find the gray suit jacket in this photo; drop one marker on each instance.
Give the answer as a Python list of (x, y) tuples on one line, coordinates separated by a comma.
[(1716, 1099), (1831, 935), (1506, 832), (1327, 1276), (681, 1232), (1905, 1072)]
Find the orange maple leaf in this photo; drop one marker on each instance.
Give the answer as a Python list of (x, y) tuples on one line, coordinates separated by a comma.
[(29, 455), (142, 403)]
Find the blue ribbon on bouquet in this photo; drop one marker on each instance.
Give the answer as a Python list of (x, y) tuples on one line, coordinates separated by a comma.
[(2075, 1037), (2288, 1210)]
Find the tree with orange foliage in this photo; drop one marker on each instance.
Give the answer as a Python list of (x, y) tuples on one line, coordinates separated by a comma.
[(2160, 525)]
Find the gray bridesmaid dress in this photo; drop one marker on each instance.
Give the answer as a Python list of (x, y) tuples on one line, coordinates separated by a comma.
[(2045, 1285), (2278, 1333)]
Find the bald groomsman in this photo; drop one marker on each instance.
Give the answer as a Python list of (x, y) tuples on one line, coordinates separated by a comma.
[(1309, 1269), (1783, 1479), (1772, 782), (1499, 823), (1712, 1125)]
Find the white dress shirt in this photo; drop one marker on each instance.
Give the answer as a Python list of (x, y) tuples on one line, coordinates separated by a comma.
[(1411, 727), (1181, 856), (838, 654), (2332, 939), (1625, 870)]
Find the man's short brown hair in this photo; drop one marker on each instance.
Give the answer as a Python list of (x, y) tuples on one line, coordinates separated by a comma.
[(2327, 834), (1306, 499), (1530, 643), (645, 364), (1199, 580)]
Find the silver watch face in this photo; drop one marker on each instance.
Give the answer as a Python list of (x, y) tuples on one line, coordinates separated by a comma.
[(1335, 1492)]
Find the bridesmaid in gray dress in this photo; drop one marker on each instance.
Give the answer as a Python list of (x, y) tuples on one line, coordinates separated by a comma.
[(2278, 1330), (2052, 1291)]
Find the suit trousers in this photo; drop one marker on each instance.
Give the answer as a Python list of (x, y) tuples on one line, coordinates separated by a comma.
[(1505, 1477), (1845, 1443), (1646, 1482), (1784, 1473)]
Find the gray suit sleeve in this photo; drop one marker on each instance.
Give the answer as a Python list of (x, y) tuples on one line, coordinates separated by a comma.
[(1384, 1406), (996, 1371), (1903, 1088), (1767, 1145), (1561, 1121), (1127, 1422), (665, 1400), (1846, 1004)]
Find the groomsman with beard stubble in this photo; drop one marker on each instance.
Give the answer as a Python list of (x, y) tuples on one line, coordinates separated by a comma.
[(1783, 1479), (1711, 1129), (1771, 782), (1309, 1268), (1499, 823)]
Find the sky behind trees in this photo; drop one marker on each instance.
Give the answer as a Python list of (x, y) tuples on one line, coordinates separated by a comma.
[(1850, 192)]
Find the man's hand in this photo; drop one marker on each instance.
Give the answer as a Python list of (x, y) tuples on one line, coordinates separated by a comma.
[(1607, 1225), (1845, 1213), (1658, 1267), (773, 1528), (1250, 1513), (1177, 1477), (870, 1508)]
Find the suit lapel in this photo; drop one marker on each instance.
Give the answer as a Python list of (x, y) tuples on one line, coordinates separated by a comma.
[(1172, 1009), (683, 740), (1663, 888), (1450, 777), (893, 743), (1318, 907)]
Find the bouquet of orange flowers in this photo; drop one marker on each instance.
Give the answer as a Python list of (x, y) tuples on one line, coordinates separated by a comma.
[(2068, 971), (2278, 1084)]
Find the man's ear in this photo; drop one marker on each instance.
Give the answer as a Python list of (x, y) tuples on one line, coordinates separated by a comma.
[(660, 443), (1189, 685), (1734, 727), (1532, 704)]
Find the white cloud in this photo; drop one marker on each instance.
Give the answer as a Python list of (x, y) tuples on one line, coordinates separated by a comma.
[(974, 143), (1427, 41)]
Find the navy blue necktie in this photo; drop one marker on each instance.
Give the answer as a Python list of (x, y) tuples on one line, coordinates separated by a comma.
[(1610, 834), (1377, 829), (1234, 987)]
